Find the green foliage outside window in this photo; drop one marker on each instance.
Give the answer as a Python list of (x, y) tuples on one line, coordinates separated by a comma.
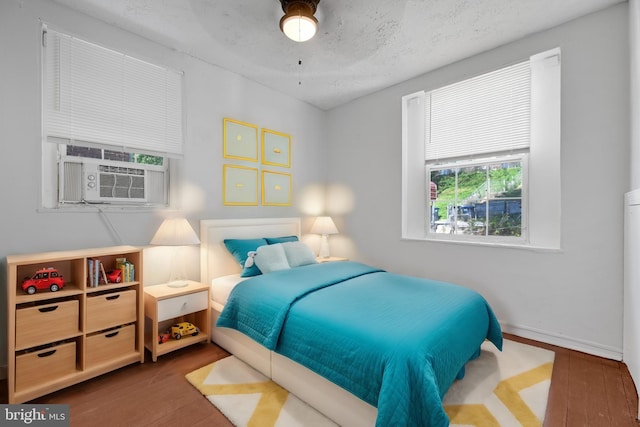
[(148, 159), (500, 184)]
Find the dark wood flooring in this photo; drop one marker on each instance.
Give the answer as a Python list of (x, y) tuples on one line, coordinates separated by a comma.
[(588, 391), (585, 391)]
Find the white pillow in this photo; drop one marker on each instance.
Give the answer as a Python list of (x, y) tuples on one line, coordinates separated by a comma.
[(271, 258), (298, 254)]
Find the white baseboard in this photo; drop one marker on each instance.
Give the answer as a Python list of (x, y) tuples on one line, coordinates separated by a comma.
[(563, 341)]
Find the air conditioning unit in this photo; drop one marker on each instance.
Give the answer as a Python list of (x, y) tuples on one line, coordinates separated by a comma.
[(112, 182)]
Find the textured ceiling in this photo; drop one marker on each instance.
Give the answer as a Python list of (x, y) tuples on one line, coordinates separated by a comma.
[(361, 46)]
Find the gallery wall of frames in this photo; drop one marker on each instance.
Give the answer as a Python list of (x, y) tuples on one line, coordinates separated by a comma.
[(257, 165)]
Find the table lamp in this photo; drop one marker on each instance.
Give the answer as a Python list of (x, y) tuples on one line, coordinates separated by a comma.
[(176, 232), (324, 226)]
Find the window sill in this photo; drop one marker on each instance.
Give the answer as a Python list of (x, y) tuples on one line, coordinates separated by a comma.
[(512, 245), (103, 208)]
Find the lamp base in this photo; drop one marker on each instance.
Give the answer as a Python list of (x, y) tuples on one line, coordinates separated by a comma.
[(177, 275), (324, 247), (177, 284)]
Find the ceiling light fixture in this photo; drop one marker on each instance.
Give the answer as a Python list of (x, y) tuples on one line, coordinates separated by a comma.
[(298, 22)]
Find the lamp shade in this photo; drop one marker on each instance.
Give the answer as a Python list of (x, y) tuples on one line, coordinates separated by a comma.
[(324, 225), (298, 22), (175, 232)]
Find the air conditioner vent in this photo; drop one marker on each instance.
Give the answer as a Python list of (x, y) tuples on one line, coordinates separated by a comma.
[(122, 185), (120, 170), (72, 188)]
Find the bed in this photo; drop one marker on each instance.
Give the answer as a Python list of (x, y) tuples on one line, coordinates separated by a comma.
[(395, 367)]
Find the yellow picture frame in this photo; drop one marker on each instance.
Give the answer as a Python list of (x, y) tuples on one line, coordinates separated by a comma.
[(240, 185), (276, 148), (240, 140), (276, 188)]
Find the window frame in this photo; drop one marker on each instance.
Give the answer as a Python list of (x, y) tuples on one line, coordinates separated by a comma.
[(543, 207), (54, 147)]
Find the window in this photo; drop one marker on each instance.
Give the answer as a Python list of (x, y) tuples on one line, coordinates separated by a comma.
[(481, 157), (481, 198), (111, 125)]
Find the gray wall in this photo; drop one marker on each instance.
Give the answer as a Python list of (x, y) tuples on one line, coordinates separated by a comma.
[(211, 94), (572, 297)]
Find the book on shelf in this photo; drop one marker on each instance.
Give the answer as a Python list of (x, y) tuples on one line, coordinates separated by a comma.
[(97, 274), (93, 272), (96, 271), (127, 268), (103, 274), (94, 278)]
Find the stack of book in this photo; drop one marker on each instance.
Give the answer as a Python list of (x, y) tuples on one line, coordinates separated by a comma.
[(97, 274), (127, 268)]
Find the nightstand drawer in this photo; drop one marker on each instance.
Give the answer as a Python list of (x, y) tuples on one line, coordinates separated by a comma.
[(108, 345), (112, 309), (45, 365), (185, 304), (46, 323)]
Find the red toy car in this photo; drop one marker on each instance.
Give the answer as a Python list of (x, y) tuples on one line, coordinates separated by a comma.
[(163, 337), (47, 278), (114, 276)]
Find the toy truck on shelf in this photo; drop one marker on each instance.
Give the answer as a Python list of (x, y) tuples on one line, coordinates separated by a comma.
[(181, 329)]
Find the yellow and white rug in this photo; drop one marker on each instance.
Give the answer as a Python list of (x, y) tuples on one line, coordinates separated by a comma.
[(248, 398), (500, 389)]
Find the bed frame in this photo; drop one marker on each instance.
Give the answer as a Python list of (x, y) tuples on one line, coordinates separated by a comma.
[(331, 400)]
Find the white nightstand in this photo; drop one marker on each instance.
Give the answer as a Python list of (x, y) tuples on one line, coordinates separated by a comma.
[(165, 305), (331, 259)]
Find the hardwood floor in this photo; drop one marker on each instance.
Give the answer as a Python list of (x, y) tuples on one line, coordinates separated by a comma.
[(588, 391), (144, 395), (585, 391)]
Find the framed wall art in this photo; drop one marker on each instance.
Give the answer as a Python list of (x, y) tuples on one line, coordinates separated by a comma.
[(276, 148), (240, 185), (276, 188), (240, 140)]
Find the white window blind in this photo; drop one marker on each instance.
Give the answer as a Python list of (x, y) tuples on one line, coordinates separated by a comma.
[(101, 96), (485, 114)]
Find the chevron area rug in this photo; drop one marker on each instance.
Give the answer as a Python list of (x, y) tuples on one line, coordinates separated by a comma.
[(248, 398), (500, 389)]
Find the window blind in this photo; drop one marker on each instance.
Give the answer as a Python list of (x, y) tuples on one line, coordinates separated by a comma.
[(97, 95), (485, 114)]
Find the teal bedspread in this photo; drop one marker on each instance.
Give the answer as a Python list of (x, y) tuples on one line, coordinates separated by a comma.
[(397, 342)]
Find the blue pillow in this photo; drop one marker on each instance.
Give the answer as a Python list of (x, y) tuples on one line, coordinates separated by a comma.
[(240, 249), (283, 239)]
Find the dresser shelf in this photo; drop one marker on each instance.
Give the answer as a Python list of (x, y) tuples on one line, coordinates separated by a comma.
[(57, 339)]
